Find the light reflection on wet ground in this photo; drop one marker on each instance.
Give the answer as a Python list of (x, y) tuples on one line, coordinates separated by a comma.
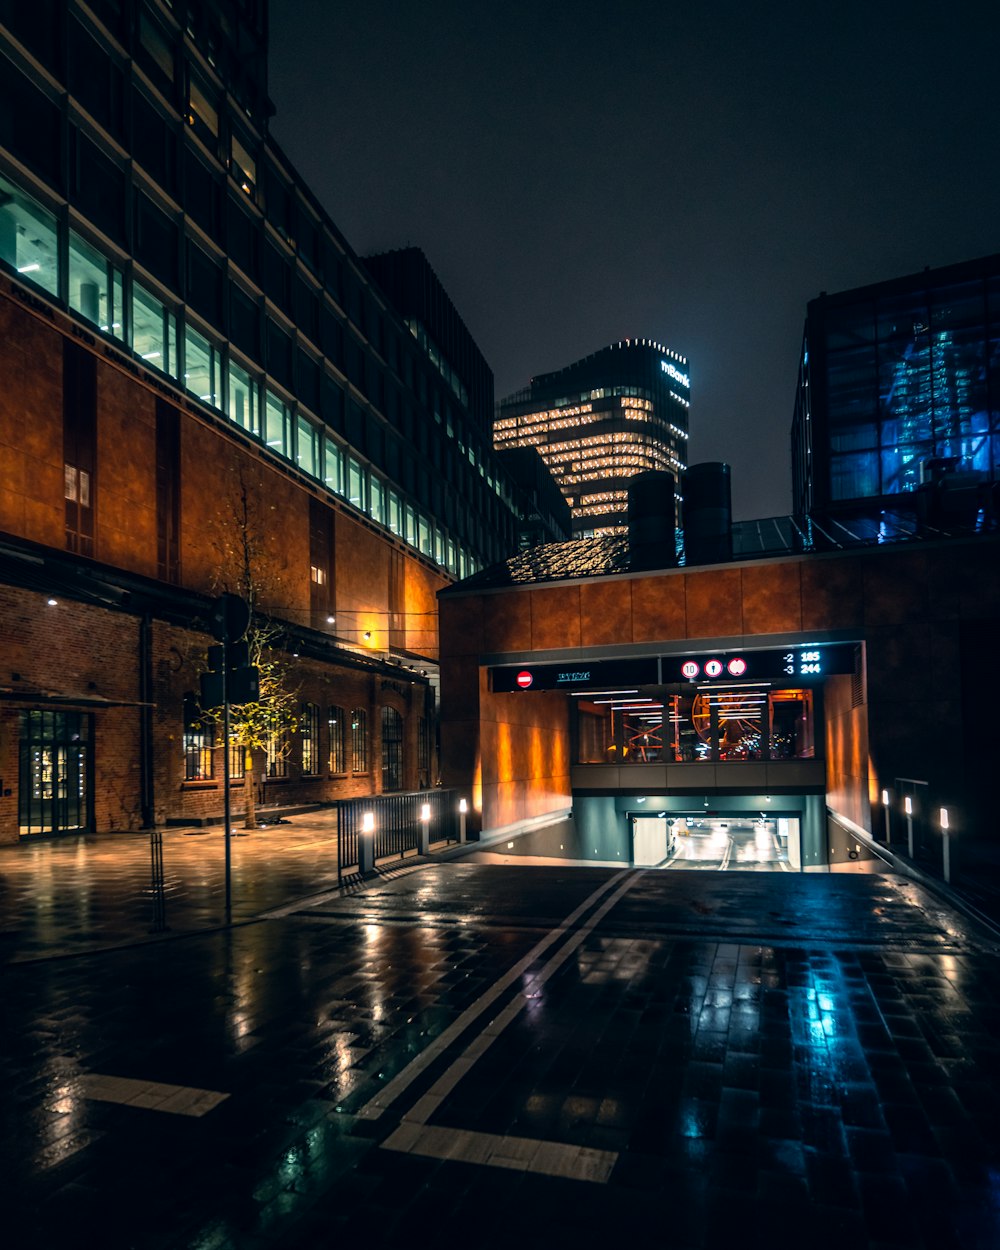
[(773, 1060)]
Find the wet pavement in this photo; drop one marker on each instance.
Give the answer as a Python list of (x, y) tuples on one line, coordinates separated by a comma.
[(471, 1054)]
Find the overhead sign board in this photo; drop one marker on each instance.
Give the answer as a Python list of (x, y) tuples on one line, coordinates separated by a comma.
[(601, 674), (806, 663), (797, 663)]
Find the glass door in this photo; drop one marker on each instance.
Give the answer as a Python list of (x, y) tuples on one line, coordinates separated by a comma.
[(54, 785)]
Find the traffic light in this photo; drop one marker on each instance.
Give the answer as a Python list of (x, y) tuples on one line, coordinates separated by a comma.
[(229, 620)]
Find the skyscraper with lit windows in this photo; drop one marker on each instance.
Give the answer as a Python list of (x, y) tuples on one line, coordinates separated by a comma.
[(599, 421)]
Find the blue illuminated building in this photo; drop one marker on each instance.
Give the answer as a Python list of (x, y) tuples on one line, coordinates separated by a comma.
[(897, 418)]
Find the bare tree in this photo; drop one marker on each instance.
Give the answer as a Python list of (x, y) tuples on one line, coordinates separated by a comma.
[(249, 566)]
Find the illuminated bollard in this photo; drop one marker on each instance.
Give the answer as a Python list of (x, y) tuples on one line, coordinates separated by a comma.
[(424, 844), (888, 822), (945, 847), (366, 845), (908, 806), (463, 808)]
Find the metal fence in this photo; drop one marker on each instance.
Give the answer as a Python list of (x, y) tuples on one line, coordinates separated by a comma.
[(397, 824)]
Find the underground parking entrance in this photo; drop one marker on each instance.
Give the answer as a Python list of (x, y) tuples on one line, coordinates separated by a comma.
[(721, 833)]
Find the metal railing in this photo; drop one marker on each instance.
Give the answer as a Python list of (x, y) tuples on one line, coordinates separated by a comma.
[(396, 825)]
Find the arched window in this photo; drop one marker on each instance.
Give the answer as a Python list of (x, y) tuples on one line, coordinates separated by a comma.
[(392, 750), (359, 740)]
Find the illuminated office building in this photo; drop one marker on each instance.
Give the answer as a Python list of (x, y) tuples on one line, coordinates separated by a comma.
[(897, 419), (598, 422)]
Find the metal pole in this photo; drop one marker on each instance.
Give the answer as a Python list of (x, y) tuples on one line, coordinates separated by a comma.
[(909, 826), (225, 779), (888, 824)]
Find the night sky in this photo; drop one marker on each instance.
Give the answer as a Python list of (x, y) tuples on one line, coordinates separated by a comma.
[(692, 173)]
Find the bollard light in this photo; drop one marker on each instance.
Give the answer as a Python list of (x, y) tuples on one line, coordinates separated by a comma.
[(908, 808), (425, 812), (888, 821), (463, 808), (945, 847), (885, 798), (368, 822)]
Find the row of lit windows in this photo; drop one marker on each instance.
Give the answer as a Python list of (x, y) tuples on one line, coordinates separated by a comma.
[(604, 497), (347, 738), (129, 312)]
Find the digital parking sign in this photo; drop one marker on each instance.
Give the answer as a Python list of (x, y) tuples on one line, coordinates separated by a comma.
[(797, 663), (602, 674)]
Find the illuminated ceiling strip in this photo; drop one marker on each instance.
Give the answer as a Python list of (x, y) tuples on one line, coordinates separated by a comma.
[(587, 694)]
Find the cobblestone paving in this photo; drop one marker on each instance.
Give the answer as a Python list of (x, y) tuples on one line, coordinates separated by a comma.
[(762, 1060)]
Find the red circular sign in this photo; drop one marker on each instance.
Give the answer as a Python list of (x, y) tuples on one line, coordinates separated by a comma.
[(713, 668), (737, 667), (524, 679), (690, 669)]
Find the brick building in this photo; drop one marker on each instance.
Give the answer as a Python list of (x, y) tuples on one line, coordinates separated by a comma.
[(182, 328)]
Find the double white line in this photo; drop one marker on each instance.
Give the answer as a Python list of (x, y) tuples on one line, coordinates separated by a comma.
[(416, 1136)]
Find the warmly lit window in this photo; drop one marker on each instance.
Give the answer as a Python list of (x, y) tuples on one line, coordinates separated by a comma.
[(154, 330), (337, 724), (359, 740), (237, 759), (307, 447), (276, 752), (243, 402), (243, 166), (201, 367), (309, 729), (76, 485), (203, 116), (28, 239), (95, 288), (198, 742), (278, 430)]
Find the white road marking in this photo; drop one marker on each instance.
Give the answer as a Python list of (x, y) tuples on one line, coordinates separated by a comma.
[(153, 1095), (426, 1106), (377, 1105), (520, 1154)]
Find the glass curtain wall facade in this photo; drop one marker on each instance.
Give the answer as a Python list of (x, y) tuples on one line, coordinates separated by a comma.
[(600, 421), (899, 391), (140, 190)]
